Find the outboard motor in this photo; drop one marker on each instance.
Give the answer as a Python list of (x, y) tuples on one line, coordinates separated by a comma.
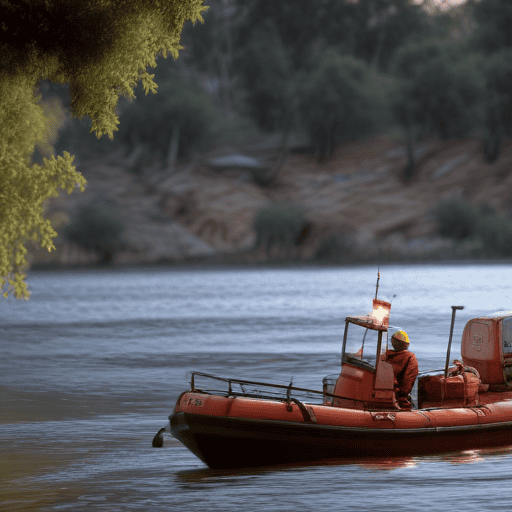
[(487, 346)]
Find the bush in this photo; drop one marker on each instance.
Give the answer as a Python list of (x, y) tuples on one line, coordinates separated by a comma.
[(332, 248), (278, 228), (96, 227), (496, 234), (457, 219)]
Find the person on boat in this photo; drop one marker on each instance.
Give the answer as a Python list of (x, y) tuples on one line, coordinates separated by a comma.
[(405, 368)]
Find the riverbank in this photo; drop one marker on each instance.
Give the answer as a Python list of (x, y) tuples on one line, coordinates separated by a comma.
[(356, 206), (233, 263)]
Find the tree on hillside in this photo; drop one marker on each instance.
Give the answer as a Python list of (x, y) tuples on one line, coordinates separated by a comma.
[(493, 37), (379, 27), (437, 93), (493, 20), (101, 49), (275, 40), (370, 30), (170, 125), (156, 129), (335, 101), (266, 70), (497, 102), (211, 50)]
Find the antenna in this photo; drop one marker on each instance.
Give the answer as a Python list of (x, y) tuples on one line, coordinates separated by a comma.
[(378, 277)]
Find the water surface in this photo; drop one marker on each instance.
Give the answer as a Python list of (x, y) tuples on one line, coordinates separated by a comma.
[(92, 364)]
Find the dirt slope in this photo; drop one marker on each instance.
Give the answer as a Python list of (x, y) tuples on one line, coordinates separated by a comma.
[(199, 211)]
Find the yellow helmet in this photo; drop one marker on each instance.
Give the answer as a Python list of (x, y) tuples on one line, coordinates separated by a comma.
[(400, 340), (401, 336)]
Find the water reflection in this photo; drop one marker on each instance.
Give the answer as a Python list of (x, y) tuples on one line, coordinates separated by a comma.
[(204, 474), (474, 456)]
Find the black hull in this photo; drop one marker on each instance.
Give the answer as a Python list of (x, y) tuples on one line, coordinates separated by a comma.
[(227, 442)]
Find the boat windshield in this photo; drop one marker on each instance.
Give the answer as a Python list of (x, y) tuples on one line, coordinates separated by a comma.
[(361, 345)]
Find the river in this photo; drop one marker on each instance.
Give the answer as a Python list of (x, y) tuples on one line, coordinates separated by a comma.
[(92, 365)]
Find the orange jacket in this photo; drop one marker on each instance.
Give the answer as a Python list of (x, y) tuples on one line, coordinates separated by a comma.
[(405, 370)]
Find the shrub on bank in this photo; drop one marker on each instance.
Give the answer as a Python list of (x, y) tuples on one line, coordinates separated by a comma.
[(278, 228), (496, 234), (458, 220), (332, 248), (96, 227)]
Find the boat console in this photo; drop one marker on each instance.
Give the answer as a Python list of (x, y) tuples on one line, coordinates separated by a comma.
[(366, 380)]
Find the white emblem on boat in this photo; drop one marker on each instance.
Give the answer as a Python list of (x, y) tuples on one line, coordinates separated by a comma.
[(477, 342)]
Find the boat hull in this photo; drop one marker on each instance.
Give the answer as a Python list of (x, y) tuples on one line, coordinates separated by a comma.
[(230, 442)]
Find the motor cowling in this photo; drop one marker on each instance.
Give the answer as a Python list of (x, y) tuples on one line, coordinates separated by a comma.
[(487, 347)]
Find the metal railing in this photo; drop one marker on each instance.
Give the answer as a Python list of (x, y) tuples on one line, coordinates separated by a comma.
[(263, 390)]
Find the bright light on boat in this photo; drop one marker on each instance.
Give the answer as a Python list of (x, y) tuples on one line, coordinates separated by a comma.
[(381, 311)]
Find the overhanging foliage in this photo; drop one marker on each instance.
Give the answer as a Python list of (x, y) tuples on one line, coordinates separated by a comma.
[(101, 49)]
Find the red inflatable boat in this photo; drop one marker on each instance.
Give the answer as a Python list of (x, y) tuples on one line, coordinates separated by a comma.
[(238, 423)]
